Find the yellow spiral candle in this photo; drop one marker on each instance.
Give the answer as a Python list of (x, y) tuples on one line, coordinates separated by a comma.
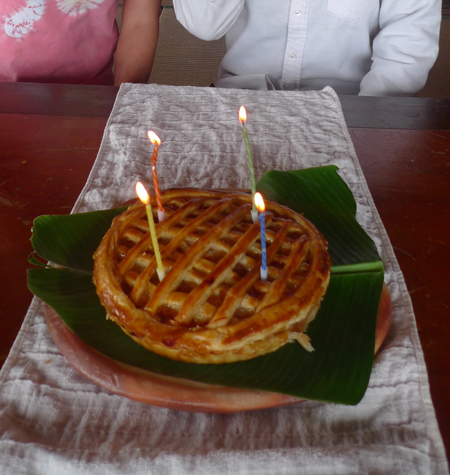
[(145, 198)]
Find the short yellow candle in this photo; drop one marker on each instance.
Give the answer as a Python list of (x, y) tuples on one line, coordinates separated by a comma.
[(145, 198)]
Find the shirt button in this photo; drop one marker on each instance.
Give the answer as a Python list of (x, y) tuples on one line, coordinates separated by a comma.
[(293, 55), (298, 12)]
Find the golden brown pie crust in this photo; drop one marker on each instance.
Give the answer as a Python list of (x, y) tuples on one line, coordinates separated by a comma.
[(212, 306)]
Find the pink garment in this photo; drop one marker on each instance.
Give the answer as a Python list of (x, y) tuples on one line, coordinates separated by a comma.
[(58, 41)]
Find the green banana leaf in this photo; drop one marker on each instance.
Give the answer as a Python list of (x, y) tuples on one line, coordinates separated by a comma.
[(342, 334), (329, 204)]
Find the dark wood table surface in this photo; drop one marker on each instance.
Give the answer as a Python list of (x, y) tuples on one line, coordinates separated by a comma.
[(50, 135)]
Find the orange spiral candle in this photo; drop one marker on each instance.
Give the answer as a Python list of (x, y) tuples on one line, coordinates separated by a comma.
[(155, 140)]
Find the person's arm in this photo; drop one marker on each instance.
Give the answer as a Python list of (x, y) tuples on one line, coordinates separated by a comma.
[(405, 48), (137, 41), (208, 19)]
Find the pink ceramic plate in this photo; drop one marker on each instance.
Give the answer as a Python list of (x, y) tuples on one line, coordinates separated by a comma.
[(175, 393)]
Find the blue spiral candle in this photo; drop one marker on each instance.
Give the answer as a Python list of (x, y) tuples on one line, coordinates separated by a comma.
[(259, 203)]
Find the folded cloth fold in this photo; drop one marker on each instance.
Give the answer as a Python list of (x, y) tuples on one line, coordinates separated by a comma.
[(53, 420)]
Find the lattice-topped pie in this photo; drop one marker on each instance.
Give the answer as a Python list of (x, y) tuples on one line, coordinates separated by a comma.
[(212, 306)]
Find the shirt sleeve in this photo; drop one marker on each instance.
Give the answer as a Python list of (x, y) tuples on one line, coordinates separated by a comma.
[(208, 19), (405, 48)]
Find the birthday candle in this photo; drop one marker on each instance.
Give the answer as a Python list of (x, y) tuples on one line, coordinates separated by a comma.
[(154, 139), (259, 203), (243, 119), (145, 198)]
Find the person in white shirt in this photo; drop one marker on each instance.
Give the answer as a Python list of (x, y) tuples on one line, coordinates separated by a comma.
[(366, 47)]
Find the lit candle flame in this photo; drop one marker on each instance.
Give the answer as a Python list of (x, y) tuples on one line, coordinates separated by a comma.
[(154, 139), (242, 114), (259, 203), (142, 193)]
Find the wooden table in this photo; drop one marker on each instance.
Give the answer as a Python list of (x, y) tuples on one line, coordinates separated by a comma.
[(50, 135)]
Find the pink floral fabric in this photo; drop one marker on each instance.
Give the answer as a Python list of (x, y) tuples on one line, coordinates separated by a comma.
[(62, 41)]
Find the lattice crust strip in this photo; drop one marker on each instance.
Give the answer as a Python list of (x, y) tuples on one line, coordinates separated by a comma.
[(212, 306)]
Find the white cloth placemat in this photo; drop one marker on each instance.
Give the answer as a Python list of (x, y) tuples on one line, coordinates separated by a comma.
[(54, 421)]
